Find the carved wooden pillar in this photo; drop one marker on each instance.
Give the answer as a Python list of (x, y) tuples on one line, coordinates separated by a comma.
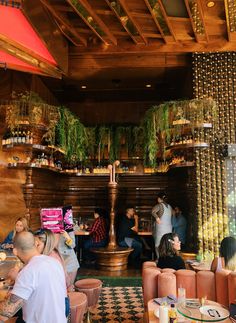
[(28, 191), (112, 191)]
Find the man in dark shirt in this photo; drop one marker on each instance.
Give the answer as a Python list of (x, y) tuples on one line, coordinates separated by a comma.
[(127, 234)]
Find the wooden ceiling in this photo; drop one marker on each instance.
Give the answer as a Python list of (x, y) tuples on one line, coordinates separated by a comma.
[(132, 41)]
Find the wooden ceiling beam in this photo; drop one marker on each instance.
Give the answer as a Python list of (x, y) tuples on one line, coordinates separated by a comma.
[(123, 4), (167, 20), (191, 46), (230, 12), (194, 10), (125, 21), (65, 26), (80, 63), (92, 20), (155, 20), (161, 20)]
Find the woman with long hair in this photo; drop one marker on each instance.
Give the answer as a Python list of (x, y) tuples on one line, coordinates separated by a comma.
[(227, 258), (162, 213), (21, 224), (45, 242), (168, 250)]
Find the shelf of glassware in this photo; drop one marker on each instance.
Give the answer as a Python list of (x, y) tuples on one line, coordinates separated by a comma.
[(192, 145)]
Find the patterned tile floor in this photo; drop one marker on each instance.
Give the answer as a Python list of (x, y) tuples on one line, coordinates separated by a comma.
[(119, 304)]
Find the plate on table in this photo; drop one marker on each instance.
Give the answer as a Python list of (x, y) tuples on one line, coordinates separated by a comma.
[(192, 303), (214, 311)]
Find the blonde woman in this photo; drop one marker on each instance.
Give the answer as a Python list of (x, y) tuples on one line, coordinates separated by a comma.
[(45, 242), (21, 225)]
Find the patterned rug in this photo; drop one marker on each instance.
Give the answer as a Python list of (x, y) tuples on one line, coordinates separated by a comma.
[(119, 304)]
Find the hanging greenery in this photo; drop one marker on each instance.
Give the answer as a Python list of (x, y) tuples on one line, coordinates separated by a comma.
[(159, 120), (72, 136)]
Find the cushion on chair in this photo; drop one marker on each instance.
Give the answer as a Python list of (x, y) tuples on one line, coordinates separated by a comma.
[(168, 270), (206, 285), (149, 277), (187, 279), (88, 283), (148, 264), (222, 295), (91, 287), (166, 284)]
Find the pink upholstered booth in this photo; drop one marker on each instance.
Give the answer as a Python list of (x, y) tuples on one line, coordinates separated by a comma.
[(220, 287)]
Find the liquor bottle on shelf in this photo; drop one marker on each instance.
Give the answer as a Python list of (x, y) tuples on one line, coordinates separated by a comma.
[(30, 137), (4, 139), (23, 139), (19, 137), (27, 138)]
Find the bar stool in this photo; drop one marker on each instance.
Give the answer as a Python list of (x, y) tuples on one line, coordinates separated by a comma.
[(78, 306), (91, 287)]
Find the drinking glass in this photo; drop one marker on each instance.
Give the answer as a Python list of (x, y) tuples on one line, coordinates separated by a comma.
[(181, 294)]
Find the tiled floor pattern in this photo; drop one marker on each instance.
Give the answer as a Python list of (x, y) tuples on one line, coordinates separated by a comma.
[(119, 304)]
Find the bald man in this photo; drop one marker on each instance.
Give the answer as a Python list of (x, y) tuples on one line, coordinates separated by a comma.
[(40, 284)]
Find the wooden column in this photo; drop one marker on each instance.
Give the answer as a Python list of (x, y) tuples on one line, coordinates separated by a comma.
[(112, 191)]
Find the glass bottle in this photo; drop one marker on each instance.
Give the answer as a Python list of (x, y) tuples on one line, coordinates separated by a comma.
[(172, 314)]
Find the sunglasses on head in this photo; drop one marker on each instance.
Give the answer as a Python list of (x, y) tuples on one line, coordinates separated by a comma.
[(39, 232)]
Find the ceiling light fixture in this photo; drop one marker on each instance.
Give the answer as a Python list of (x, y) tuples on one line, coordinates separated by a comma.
[(210, 4), (84, 87), (148, 85)]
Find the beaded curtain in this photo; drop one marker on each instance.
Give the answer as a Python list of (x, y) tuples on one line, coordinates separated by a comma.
[(214, 75)]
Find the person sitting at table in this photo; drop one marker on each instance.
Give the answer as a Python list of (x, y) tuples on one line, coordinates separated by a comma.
[(179, 224), (40, 273), (128, 235), (98, 235), (227, 258), (21, 225), (169, 252)]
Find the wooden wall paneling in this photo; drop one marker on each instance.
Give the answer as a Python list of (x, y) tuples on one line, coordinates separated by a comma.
[(12, 204)]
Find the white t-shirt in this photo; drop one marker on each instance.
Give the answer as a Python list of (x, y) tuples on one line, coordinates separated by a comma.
[(41, 284)]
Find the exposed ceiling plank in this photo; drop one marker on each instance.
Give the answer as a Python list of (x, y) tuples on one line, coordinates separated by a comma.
[(89, 16), (124, 6), (28, 56), (166, 19), (155, 20), (79, 63), (196, 17), (65, 26), (125, 21), (190, 46), (230, 10)]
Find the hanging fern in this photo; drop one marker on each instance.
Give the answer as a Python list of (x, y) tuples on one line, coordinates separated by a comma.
[(72, 136), (158, 121)]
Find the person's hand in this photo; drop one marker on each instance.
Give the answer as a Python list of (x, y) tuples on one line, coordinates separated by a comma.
[(158, 220), (65, 235), (12, 274), (8, 246), (86, 226)]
